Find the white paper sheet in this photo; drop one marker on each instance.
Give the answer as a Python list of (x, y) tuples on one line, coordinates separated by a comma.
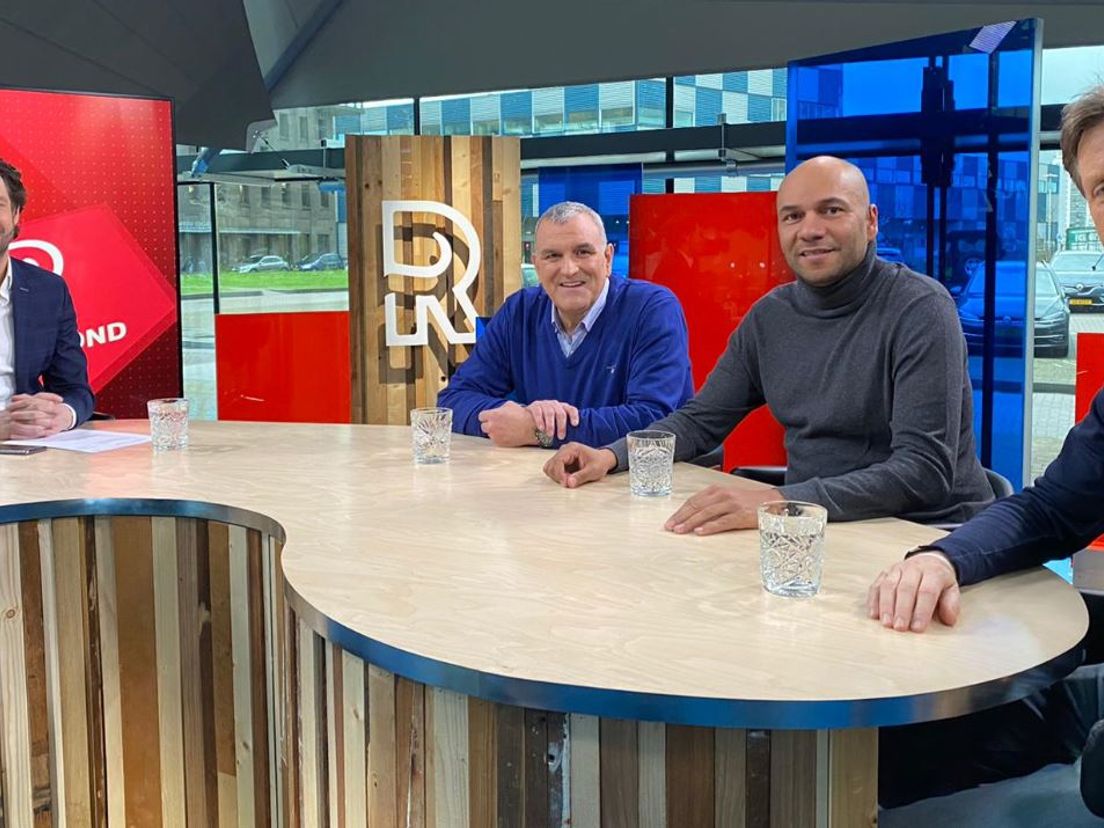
[(86, 440)]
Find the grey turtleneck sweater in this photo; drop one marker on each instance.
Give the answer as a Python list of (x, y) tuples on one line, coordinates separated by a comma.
[(868, 377)]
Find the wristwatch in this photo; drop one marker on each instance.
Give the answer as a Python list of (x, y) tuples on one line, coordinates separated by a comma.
[(544, 440), (924, 547)]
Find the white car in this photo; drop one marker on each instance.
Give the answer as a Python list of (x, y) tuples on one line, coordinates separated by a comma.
[(260, 263)]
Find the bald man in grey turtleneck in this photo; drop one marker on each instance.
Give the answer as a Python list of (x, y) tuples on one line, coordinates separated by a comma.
[(863, 363)]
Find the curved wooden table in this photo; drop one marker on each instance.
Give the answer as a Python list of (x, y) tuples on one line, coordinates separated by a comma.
[(451, 645)]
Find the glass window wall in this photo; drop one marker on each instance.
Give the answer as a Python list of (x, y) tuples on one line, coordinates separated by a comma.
[(1069, 72), (1067, 246), (622, 106), (300, 221), (735, 97), (317, 126), (281, 248), (197, 311)]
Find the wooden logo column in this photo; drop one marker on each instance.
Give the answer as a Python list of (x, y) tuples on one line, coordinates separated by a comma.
[(479, 177)]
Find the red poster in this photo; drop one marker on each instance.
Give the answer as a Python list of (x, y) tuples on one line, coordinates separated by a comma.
[(719, 253), (101, 212)]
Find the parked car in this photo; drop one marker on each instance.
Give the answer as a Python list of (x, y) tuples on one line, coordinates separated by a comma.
[(1081, 274), (325, 261), (1052, 319), (263, 262)]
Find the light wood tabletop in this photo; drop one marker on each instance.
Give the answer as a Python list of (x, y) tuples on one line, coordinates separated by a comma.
[(485, 577)]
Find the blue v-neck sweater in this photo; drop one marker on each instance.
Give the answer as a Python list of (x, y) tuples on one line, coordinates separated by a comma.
[(630, 370)]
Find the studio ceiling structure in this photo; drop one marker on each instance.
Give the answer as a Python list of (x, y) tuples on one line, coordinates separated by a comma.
[(197, 52), (227, 63), (369, 50)]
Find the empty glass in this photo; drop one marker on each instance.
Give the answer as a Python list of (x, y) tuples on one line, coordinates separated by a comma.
[(431, 432), (651, 458), (791, 547), (168, 419)]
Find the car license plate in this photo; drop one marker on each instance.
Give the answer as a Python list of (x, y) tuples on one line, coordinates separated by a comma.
[(1080, 301)]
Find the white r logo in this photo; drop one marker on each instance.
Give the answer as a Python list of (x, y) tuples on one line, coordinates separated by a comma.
[(424, 305)]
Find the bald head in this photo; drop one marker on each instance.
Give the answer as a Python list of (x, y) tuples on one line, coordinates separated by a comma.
[(828, 172), (825, 219)]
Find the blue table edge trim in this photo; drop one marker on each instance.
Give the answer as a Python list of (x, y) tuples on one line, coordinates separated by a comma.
[(797, 714)]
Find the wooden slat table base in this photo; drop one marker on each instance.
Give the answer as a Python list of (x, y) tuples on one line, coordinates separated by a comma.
[(171, 628), (135, 689), (469, 762), (188, 693)]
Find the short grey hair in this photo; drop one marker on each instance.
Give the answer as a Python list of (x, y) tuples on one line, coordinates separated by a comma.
[(566, 210), (1080, 116)]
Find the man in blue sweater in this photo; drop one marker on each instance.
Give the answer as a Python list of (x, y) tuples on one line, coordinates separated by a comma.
[(582, 357)]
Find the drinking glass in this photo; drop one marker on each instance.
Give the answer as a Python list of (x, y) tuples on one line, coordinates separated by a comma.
[(791, 547), (431, 432), (651, 459), (168, 419)]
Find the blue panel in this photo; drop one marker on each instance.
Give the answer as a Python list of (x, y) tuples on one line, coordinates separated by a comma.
[(882, 87), (581, 98), (456, 112), (735, 81), (708, 106), (778, 83), (606, 189), (345, 124), (969, 74), (651, 94), (927, 120), (759, 108), (1063, 568), (516, 105), (527, 208), (1016, 73), (400, 118)]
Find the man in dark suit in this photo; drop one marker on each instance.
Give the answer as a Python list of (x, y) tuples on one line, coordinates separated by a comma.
[(1053, 518), (43, 372)]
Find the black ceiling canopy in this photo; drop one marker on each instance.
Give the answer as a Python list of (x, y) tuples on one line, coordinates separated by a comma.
[(197, 52), (369, 49)]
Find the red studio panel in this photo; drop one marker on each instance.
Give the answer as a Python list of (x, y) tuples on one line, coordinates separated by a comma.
[(719, 253), (100, 174), (283, 367), (1090, 371), (1090, 379)]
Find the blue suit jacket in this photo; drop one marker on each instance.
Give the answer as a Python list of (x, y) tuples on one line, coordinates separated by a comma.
[(48, 355), (1057, 516)]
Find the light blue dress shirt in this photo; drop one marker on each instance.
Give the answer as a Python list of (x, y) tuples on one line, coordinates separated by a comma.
[(569, 342)]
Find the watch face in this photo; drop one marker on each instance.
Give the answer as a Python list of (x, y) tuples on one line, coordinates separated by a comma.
[(543, 439)]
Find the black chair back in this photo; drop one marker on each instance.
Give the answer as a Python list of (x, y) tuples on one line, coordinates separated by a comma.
[(1002, 486), (771, 475)]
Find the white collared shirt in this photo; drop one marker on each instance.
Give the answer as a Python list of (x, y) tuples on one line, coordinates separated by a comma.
[(569, 342), (7, 340), (7, 347)]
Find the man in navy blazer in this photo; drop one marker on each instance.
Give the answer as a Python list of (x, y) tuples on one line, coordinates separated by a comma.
[(43, 372), (1053, 518)]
